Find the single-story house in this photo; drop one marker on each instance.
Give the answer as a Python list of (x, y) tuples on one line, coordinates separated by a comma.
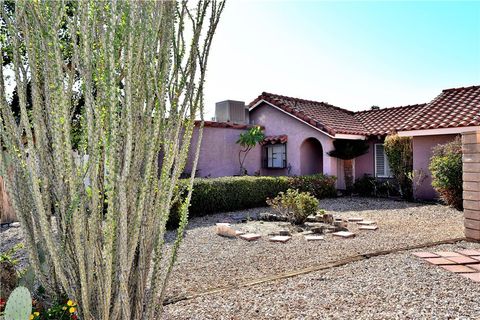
[(300, 133)]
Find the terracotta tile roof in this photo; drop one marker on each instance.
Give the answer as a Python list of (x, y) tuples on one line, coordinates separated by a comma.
[(457, 107), (384, 121), (322, 115), (283, 138)]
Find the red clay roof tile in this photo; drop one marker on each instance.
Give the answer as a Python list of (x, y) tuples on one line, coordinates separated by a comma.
[(457, 107)]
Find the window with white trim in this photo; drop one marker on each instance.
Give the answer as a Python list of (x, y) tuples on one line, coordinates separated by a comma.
[(275, 156), (382, 169)]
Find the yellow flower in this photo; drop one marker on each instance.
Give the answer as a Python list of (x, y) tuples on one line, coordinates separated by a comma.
[(36, 314), (31, 317), (70, 303), (72, 309)]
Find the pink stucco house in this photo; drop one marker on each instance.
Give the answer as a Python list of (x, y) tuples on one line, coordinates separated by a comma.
[(300, 132)]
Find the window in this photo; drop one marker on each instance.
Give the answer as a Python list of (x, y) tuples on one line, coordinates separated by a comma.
[(275, 156), (382, 169)]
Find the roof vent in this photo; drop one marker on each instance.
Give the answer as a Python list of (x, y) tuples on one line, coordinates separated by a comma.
[(231, 111), (374, 108)]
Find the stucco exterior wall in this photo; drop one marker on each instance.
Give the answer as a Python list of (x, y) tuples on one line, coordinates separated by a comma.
[(422, 152), (219, 153), (365, 164), (277, 122)]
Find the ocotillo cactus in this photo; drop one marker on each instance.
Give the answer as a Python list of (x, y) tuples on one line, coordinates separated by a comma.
[(19, 305)]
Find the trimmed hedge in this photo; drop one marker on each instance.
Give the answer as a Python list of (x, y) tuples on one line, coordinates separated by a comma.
[(212, 195)]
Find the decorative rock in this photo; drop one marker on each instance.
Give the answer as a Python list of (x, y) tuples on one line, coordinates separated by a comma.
[(225, 230), (368, 228), (318, 230), (366, 223), (313, 238), (341, 224), (282, 239), (344, 234), (328, 218), (355, 219), (15, 224), (284, 233), (250, 236)]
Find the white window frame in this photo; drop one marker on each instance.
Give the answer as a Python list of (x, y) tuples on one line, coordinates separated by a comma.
[(386, 168), (282, 155)]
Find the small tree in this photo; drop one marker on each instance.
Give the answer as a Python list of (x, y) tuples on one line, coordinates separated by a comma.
[(400, 158), (348, 150), (248, 140), (446, 169)]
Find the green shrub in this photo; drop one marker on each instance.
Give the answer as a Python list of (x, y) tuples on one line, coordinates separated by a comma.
[(212, 195), (365, 186), (294, 205), (446, 169), (319, 185), (369, 186), (400, 158)]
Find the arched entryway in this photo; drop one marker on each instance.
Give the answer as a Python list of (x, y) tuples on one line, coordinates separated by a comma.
[(311, 157)]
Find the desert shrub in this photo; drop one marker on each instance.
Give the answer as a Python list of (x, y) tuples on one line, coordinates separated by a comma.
[(365, 186), (369, 186), (294, 205), (446, 169), (319, 185), (400, 158)]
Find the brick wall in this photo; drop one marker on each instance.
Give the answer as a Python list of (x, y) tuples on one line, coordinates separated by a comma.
[(471, 184)]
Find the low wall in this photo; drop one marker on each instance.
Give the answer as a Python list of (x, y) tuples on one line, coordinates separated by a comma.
[(471, 184)]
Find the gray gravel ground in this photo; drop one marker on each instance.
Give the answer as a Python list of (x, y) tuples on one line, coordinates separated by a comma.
[(209, 261), (395, 286)]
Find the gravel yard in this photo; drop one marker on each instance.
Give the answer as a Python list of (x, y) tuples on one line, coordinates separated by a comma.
[(395, 286), (208, 261), (391, 286)]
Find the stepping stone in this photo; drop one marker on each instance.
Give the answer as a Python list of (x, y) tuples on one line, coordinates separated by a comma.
[(239, 233), (475, 257), (250, 236), (366, 223), (475, 266), (472, 276), (425, 255), (462, 260), (282, 239), (314, 238), (469, 252), (447, 254), (439, 261), (225, 231), (344, 234), (459, 269), (354, 219), (368, 227)]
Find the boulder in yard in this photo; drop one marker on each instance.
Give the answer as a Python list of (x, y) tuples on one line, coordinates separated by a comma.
[(225, 230)]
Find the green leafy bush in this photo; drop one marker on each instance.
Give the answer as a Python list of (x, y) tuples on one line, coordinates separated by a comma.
[(294, 205), (400, 158), (369, 186), (319, 185), (212, 195), (446, 169)]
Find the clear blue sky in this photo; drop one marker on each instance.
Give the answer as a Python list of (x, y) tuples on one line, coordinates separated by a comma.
[(350, 54)]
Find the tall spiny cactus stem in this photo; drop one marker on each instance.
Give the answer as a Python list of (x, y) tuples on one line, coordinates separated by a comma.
[(19, 305)]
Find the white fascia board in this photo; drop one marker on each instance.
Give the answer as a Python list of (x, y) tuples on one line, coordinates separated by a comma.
[(435, 132), (336, 136)]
